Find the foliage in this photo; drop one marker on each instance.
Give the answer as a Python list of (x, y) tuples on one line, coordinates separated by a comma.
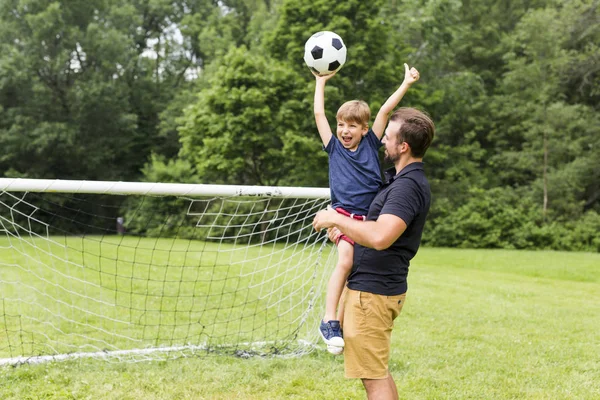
[(81, 84), (218, 91), (509, 219), (236, 132)]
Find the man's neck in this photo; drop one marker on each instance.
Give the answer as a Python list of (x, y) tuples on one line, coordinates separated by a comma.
[(403, 162)]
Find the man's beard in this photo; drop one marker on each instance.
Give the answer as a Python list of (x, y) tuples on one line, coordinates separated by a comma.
[(391, 159)]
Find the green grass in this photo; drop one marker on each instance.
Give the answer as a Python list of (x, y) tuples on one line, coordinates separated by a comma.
[(91, 294), (477, 324)]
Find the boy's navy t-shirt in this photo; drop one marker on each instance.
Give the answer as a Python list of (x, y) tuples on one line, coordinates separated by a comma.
[(354, 176)]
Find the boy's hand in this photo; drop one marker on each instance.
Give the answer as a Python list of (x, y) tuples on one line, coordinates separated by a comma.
[(323, 78), (334, 234), (410, 75)]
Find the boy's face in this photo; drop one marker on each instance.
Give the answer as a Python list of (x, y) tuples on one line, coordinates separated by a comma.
[(350, 134)]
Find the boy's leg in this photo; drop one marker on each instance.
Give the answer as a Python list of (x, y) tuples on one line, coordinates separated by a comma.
[(340, 310), (330, 328), (338, 278), (337, 350)]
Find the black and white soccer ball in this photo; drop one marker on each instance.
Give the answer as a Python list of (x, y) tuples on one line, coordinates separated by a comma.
[(325, 52)]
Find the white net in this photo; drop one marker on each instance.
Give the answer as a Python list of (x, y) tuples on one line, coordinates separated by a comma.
[(145, 277)]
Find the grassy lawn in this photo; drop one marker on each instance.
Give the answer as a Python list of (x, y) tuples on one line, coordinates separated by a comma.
[(477, 324), (93, 294)]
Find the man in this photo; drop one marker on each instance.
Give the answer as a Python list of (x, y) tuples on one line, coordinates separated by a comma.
[(385, 244)]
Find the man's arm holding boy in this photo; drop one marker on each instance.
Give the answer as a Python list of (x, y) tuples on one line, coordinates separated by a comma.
[(410, 76), (379, 234)]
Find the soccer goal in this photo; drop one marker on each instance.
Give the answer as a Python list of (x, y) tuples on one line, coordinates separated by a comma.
[(136, 271)]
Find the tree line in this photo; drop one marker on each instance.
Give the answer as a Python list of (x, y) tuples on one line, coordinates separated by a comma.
[(205, 91)]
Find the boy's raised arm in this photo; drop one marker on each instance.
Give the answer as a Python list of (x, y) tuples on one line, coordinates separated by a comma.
[(322, 124), (410, 76)]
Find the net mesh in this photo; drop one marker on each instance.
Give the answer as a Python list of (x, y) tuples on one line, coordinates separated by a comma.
[(141, 277)]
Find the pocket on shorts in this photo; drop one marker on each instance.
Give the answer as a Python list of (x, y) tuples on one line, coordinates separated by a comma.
[(364, 300), (395, 304)]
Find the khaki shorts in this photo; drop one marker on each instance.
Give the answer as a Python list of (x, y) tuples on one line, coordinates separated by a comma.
[(367, 325)]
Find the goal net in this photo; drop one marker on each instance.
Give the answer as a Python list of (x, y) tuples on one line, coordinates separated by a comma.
[(137, 271)]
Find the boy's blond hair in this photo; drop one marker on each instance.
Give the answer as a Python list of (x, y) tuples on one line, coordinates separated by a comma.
[(356, 111)]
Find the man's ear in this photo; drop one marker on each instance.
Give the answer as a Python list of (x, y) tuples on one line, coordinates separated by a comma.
[(405, 148)]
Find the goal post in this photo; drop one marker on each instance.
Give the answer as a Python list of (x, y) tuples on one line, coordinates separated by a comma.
[(135, 270), (157, 189)]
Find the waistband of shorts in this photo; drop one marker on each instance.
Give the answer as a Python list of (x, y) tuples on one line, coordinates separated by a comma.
[(340, 210)]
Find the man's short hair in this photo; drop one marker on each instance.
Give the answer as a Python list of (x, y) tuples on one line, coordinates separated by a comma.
[(417, 129), (356, 111)]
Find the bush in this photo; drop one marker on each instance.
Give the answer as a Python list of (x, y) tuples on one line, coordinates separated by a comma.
[(506, 218)]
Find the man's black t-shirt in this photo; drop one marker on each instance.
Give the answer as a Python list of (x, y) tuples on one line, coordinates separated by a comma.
[(406, 195)]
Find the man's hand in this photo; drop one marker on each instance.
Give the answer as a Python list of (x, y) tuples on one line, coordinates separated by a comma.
[(411, 75), (325, 219)]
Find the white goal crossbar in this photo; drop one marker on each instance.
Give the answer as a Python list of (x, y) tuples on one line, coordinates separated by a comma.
[(156, 189)]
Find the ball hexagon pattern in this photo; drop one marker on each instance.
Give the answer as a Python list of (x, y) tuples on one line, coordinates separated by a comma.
[(324, 52)]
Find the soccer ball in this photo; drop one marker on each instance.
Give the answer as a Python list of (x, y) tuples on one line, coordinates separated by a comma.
[(325, 52)]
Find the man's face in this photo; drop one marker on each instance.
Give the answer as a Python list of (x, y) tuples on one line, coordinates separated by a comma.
[(390, 140), (350, 134)]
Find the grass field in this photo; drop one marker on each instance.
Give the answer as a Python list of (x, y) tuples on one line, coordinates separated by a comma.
[(477, 324), (90, 294)]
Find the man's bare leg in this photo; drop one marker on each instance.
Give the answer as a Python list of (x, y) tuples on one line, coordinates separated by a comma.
[(381, 389)]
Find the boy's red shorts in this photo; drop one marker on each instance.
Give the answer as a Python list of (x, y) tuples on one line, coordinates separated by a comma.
[(340, 210)]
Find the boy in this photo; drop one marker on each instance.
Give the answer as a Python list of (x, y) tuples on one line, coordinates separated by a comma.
[(354, 179)]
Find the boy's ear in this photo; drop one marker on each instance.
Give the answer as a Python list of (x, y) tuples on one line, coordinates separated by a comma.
[(365, 129)]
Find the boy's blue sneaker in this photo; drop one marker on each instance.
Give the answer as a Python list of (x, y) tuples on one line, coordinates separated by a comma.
[(331, 332)]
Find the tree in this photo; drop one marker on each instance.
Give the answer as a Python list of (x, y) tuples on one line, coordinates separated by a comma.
[(238, 130), (81, 84), (539, 135)]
